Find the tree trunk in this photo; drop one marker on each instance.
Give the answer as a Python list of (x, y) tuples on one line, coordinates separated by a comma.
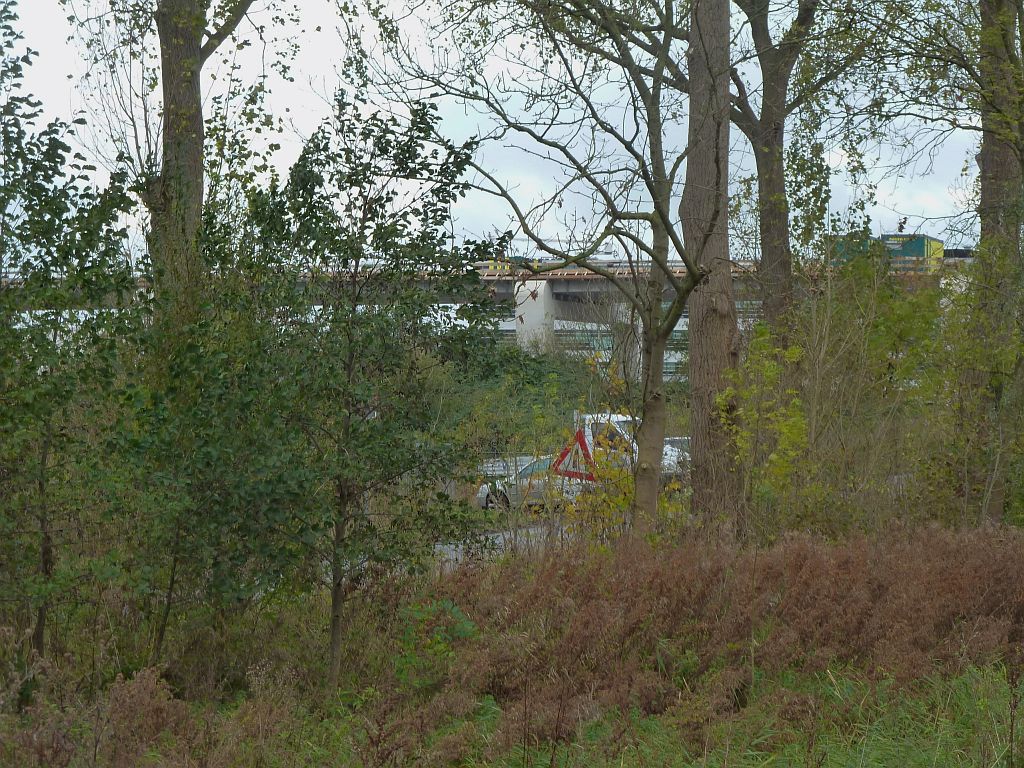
[(175, 197), (165, 614), (650, 437), (999, 160), (172, 582), (704, 210), (337, 609), (767, 136), (46, 571), (775, 270), (1001, 187), (45, 540), (340, 580)]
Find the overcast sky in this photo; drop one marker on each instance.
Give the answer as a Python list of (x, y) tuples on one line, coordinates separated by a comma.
[(929, 195)]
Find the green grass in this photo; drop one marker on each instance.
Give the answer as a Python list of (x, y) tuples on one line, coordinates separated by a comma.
[(834, 719), (842, 721)]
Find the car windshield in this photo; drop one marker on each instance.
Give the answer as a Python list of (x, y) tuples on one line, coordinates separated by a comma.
[(540, 465)]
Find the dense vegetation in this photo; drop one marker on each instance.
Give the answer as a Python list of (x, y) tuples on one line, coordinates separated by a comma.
[(896, 651), (244, 407)]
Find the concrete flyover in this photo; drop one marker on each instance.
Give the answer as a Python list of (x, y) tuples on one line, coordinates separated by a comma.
[(575, 310)]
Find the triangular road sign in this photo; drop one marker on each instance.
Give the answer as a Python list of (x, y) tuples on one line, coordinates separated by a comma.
[(575, 460)]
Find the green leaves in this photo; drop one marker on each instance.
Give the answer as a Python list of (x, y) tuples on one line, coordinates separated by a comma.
[(363, 226), (64, 321), (766, 419)]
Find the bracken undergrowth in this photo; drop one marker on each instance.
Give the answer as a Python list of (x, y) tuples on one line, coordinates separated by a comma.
[(489, 659)]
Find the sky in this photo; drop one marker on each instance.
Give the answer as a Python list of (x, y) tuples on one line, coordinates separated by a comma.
[(931, 195)]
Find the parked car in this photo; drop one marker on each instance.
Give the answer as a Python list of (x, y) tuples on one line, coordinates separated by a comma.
[(499, 468), (532, 486)]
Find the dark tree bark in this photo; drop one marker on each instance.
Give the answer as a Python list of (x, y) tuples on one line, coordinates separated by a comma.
[(46, 571), (704, 209), (165, 614)]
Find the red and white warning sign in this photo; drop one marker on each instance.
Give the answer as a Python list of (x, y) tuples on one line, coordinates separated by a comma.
[(575, 460)]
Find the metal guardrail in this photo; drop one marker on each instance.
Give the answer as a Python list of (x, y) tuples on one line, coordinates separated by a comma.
[(493, 270), (496, 271)]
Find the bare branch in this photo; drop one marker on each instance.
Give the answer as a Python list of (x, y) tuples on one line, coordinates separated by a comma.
[(234, 16)]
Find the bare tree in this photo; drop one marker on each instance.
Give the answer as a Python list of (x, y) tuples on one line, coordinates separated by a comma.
[(575, 87), (800, 50)]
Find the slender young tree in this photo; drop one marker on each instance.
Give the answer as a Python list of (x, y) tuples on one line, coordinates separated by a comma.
[(364, 225), (61, 249)]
